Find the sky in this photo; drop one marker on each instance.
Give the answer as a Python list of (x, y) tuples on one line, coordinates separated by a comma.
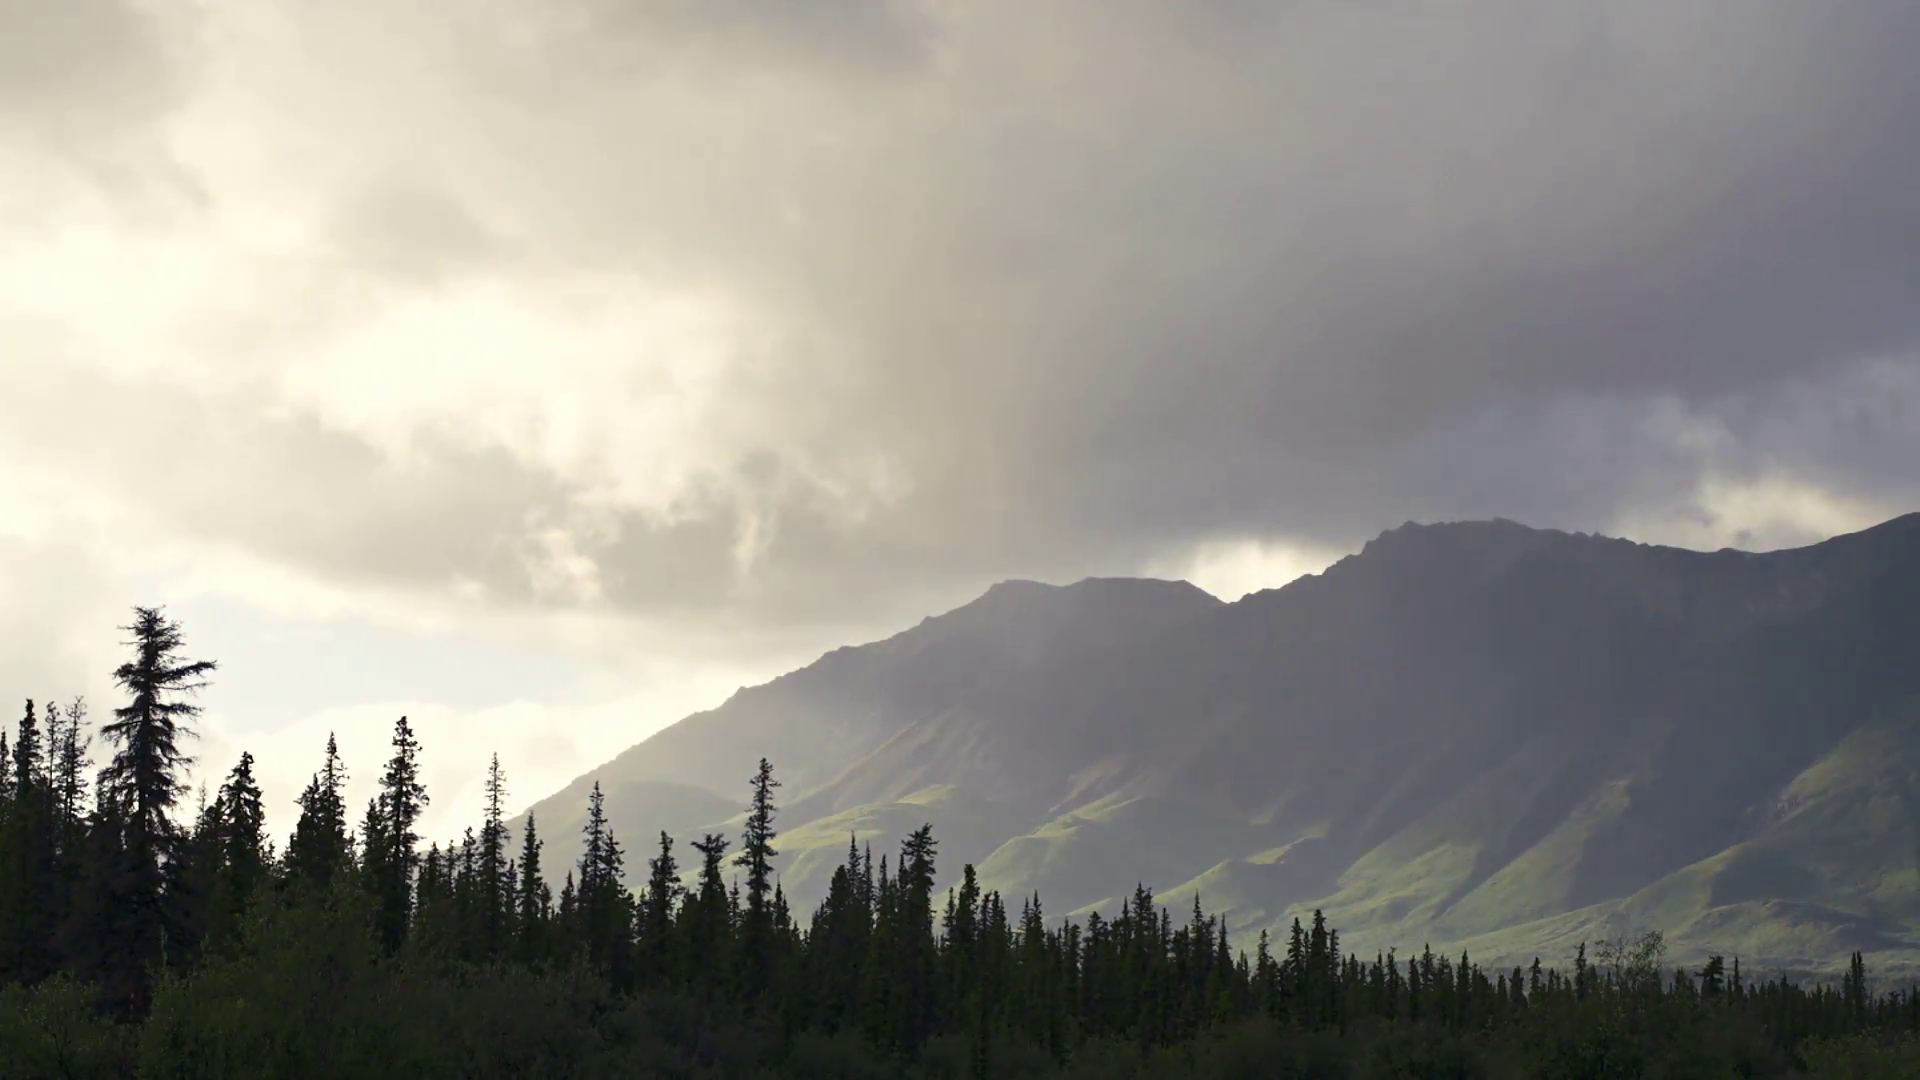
[(544, 369)]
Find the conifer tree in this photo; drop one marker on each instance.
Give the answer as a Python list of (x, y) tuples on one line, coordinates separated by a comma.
[(95, 932), (917, 960), (50, 728), (29, 874), (70, 764), (602, 907), (320, 848), (706, 917), (756, 856), (1266, 977), (1853, 990), (392, 845), (837, 944), (434, 928), (656, 913), (466, 911), (494, 884), (29, 759), (373, 840), (240, 847), (536, 900), (145, 778), (883, 998), (200, 910), (564, 918)]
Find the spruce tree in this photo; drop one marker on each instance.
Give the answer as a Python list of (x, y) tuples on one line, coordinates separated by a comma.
[(756, 856), (96, 931), (70, 764), (917, 959), (29, 759), (241, 846), (392, 844), (656, 913), (536, 900), (706, 918), (565, 920), (373, 840), (145, 778), (320, 848), (604, 906), (494, 884), (29, 872), (202, 912)]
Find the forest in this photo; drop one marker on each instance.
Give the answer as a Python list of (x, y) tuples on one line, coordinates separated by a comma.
[(143, 936)]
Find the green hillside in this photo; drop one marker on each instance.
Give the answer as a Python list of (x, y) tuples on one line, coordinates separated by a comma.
[(1479, 735)]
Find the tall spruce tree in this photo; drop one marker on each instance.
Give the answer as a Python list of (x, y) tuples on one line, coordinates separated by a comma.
[(29, 873), (757, 932), (391, 842), (657, 954), (917, 960), (707, 917), (604, 914), (320, 847), (495, 885), (241, 848), (146, 777), (536, 900), (70, 764)]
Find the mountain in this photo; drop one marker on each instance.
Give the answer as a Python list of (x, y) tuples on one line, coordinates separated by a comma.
[(1477, 735)]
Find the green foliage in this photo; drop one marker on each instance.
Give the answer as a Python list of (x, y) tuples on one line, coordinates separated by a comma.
[(1862, 1057), (53, 1029)]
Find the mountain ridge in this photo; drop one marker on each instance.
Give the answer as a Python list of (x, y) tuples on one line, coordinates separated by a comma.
[(1471, 731)]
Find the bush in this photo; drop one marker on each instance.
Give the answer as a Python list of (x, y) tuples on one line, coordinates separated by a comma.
[(53, 1029), (1862, 1057)]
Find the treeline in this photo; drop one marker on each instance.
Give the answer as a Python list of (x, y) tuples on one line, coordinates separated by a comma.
[(139, 943)]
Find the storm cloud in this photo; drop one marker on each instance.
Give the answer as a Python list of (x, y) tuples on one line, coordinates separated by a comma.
[(748, 319)]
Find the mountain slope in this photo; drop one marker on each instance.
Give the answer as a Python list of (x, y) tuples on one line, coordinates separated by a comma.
[(853, 702), (1473, 733)]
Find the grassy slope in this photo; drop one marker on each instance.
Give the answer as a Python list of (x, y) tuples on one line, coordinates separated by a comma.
[(1831, 868), (1518, 764), (1834, 865)]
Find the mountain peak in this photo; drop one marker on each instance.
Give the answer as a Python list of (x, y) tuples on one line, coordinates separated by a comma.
[(1472, 530), (1093, 586), (1023, 599), (1475, 547), (1013, 586)]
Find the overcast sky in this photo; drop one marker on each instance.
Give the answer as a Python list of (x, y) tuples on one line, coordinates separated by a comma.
[(546, 368)]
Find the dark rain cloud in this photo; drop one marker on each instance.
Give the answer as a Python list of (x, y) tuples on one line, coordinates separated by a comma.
[(1097, 281)]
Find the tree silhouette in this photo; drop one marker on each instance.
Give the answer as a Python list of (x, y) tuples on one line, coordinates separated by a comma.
[(756, 855), (391, 843), (320, 847), (495, 884), (145, 779)]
